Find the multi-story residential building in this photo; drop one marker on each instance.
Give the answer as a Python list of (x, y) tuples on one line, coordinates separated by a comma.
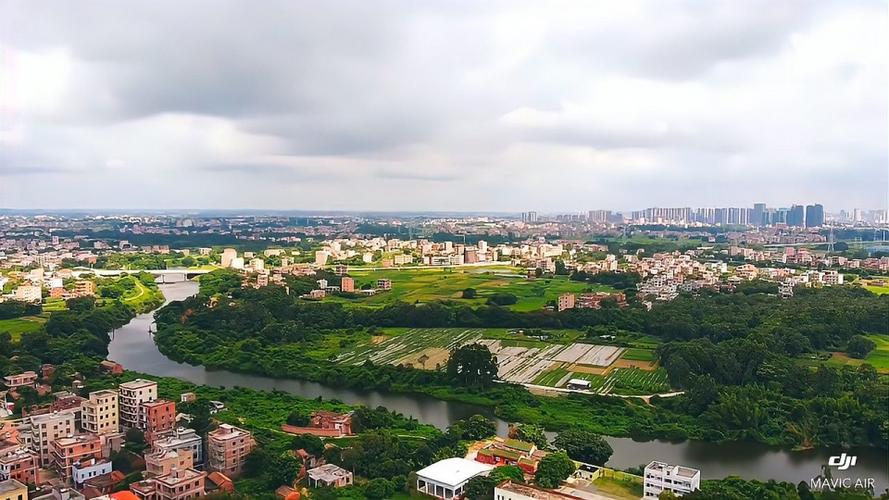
[(28, 293), (132, 395), (158, 417), (42, 430), (228, 255), (11, 489), (28, 378), (347, 284), (20, 464), (660, 476), (227, 447), (66, 451), (83, 288), (179, 484), (566, 301), (100, 412), (183, 439), (162, 462), (384, 284)]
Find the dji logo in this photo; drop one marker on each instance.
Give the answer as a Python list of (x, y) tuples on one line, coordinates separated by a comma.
[(842, 461)]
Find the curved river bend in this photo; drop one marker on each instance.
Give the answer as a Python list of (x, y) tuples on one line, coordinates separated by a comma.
[(133, 347)]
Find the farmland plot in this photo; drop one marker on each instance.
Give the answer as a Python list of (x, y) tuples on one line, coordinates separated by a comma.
[(522, 364), (410, 346), (627, 381)]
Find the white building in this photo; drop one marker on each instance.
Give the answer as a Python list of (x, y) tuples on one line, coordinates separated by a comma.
[(28, 293), (446, 478), (132, 395), (88, 469), (660, 476), (183, 439)]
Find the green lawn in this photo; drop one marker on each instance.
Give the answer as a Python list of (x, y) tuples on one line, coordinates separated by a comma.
[(18, 326), (635, 354), (879, 357), (427, 285)]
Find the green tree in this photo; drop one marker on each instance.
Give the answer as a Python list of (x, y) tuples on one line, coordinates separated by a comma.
[(553, 469), (469, 293), (299, 418), (379, 488), (309, 442), (473, 428), (860, 346), (480, 488), (512, 472), (472, 365), (530, 433), (583, 445)]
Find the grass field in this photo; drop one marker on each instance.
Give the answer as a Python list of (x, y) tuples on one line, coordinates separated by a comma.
[(636, 354), (427, 285), (18, 326), (879, 357)]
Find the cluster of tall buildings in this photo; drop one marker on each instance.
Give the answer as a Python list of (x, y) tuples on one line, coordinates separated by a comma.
[(760, 215)]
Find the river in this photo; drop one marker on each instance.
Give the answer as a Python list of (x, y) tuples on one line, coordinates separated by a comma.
[(133, 347)]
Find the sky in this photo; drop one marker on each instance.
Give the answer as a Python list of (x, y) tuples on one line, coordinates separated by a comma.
[(443, 105)]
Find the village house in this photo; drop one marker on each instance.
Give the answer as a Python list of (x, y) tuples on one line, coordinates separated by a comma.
[(324, 424), (329, 476), (511, 452)]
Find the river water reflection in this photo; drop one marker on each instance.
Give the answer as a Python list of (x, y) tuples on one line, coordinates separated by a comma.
[(132, 346)]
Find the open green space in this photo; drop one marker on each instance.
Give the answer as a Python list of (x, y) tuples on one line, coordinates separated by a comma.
[(415, 285), (879, 357), (626, 486), (18, 326), (636, 354)]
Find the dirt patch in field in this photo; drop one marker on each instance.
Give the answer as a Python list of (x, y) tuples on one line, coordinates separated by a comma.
[(649, 366), (379, 339), (592, 370), (435, 355)]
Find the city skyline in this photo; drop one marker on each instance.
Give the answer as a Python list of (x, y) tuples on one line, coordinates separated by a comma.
[(498, 107)]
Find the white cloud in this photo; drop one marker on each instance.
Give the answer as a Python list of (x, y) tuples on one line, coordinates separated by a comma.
[(411, 105)]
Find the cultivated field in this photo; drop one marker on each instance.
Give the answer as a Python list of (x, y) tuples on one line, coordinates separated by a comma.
[(427, 285), (519, 359), (628, 381)]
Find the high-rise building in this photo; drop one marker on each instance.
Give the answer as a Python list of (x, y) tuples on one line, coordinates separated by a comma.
[(757, 216), (814, 215), (529, 216), (796, 216)]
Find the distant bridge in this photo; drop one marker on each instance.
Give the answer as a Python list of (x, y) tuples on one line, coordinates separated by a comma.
[(160, 275)]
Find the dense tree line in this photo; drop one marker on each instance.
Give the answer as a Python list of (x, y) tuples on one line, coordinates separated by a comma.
[(16, 309)]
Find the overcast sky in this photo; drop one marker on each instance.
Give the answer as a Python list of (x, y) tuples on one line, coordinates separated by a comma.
[(412, 105)]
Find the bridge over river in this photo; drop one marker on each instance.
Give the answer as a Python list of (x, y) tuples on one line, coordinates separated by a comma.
[(175, 275)]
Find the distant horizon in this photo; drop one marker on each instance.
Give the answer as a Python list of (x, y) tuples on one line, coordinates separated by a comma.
[(332, 212)]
